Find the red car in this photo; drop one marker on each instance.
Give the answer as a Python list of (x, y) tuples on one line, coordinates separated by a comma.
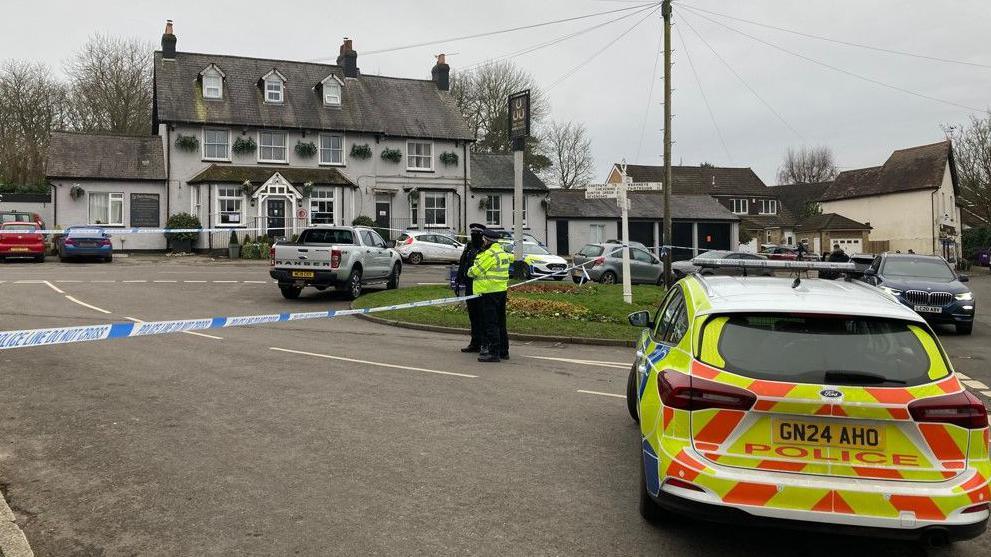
[(21, 239), (786, 253), (22, 216)]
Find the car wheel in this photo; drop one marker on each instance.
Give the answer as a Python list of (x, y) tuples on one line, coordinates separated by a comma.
[(608, 277), (108, 259), (964, 328), (415, 258), (393, 282), (290, 292), (354, 284), (631, 395)]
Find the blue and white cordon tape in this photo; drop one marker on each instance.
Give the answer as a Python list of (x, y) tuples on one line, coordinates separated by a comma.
[(85, 333)]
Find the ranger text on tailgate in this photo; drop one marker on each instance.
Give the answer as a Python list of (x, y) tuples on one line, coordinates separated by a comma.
[(346, 257)]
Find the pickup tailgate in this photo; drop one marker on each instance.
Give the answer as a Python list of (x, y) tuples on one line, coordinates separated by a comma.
[(290, 256)]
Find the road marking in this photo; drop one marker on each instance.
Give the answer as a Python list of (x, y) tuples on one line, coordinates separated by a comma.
[(616, 365), (55, 288), (68, 281), (29, 282), (433, 283), (84, 304), (102, 281), (196, 281), (194, 333), (255, 282), (380, 364), (225, 281), (134, 281), (601, 394), (170, 281), (962, 376), (975, 384)]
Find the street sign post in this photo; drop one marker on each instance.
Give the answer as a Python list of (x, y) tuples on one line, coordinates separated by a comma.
[(519, 129), (618, 192)]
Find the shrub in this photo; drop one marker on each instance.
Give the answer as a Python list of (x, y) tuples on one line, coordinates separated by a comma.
[(394, 155), (560, 288), (449, 158), (182, 220), (249, 251), (305, 150), (974, 240), (187, 142), (363, 220), (233, 241), (244, 145), (529, 308), (361, 151)]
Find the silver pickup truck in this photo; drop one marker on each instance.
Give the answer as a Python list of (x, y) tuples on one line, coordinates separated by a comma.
[(345, 257)]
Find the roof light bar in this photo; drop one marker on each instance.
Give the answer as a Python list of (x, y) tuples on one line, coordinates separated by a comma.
[(702, 261)]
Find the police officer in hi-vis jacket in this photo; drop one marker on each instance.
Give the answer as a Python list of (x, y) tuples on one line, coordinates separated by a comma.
[(490, 279)]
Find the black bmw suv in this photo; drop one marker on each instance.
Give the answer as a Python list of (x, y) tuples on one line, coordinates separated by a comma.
[(928, 285)]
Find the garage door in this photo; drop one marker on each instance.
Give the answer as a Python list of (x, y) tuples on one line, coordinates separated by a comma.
[(850, 245)]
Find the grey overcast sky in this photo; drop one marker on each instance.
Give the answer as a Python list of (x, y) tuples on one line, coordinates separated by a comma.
[(862, 122)]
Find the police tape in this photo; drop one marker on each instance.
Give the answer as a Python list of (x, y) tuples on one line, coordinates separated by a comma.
[(107, 331), (118, 230)]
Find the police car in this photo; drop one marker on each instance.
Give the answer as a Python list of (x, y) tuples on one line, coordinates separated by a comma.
[(807, 403), (540, 262)]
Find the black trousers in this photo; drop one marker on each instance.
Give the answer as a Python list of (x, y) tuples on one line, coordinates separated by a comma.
[(475, 319), (495, 337)]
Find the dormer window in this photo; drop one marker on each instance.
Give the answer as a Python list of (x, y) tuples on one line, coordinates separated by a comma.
[(274, 87), (213, 82), (332, 90)]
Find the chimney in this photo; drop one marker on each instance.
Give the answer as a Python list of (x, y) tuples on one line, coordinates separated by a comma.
[(348, 59), (441, 74), (168, 42)]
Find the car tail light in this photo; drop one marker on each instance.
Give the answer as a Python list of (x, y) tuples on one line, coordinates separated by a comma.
[(976, 508), (271, 256), (335, 258), (685, 485), (408, 241), (598, 261), (69, 242), (961, 409), (105, 242), (684, 392)]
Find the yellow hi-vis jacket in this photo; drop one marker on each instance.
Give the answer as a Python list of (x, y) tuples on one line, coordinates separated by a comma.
[(490, 273)]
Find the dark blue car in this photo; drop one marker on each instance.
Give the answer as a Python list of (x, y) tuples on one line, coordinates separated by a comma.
[(928, 285), (83, 241)]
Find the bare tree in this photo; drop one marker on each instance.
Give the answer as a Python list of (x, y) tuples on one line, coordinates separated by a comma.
[(972, 151), (807, 165), (482, 97), (571, 154), (111, 85), (32, 103)]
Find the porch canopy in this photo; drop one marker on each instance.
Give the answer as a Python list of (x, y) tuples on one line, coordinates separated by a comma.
[(259, 175)]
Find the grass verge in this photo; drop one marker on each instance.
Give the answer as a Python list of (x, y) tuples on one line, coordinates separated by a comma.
[(558, 309)]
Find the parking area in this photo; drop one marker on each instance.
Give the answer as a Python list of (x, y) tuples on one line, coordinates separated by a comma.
[(334, 436)]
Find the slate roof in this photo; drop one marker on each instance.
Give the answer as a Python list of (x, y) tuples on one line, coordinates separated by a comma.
[(257, 175), (115, 157), (915, 168), (707, 180), (830, 221), (374, 104), (571, 204), (492, 171)]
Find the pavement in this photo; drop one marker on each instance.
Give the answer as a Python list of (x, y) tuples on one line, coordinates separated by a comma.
[(335, 436)]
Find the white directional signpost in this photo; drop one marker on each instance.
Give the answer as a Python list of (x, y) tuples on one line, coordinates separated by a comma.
[(618, 192)]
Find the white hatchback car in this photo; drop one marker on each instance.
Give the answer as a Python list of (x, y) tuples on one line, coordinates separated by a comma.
[(419, 246)]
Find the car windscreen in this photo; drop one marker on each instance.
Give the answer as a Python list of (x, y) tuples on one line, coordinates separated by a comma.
[(917, 267), (591, 250), (329, 236), (532, 249), (823, 349), (15, 217)]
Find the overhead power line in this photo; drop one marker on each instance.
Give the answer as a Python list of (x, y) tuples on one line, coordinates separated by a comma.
[(839, 41), (838, 69), (496, 32), (599, 52), (705, 99), (743, 81)]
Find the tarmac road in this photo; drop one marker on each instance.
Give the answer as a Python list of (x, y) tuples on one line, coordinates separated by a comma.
[(329, 436)]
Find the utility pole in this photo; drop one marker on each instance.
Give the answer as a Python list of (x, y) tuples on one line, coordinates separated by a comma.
[(666, 13)]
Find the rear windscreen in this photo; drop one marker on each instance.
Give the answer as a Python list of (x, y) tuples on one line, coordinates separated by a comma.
[(18, 228), (836, 350), (331, 236), (591, 251)]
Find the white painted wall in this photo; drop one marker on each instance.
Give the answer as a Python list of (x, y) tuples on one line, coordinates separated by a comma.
[(46, 210), (536, 211), (579, 233), (73, 212)]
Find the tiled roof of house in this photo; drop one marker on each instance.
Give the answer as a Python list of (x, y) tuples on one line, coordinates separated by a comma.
[(374, 104), (95, 156), (702, 179), (909, 169), (796, 196), (257, 175), (565, 204), (830, 221), (491, 171)]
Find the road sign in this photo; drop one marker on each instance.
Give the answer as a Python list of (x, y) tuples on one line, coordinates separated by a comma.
[(599, 195), (644, 186), (519, 114), (601, 191)]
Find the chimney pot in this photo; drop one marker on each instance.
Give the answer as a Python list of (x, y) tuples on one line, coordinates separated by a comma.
[(168, 42)]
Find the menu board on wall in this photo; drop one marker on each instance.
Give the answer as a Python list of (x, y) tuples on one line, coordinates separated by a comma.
[(145, 210)]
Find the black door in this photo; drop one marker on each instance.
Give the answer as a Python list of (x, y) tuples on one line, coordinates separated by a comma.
[(275, 214), (562, 237), (713, 235), (383, 217), (681, 233)]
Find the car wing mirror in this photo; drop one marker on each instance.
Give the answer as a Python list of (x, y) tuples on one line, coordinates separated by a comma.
[(870, 272), (640, 319), (963, 278)]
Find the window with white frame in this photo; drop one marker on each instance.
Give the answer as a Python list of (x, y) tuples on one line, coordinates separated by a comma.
[(768, 206), (229, 200), (331, 148), (435, 209), (767, 235), (331, 92), (524, 211), (419, 155), (213, 85), (106, 208), (414, 206), (271, 146), (322, 206), (493, 210), (194, 200), (273, 90), (740, 206), (596, 233), (216, 144)]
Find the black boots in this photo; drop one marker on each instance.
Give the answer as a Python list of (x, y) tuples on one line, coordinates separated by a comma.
[(487, 355), (470, 348)]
